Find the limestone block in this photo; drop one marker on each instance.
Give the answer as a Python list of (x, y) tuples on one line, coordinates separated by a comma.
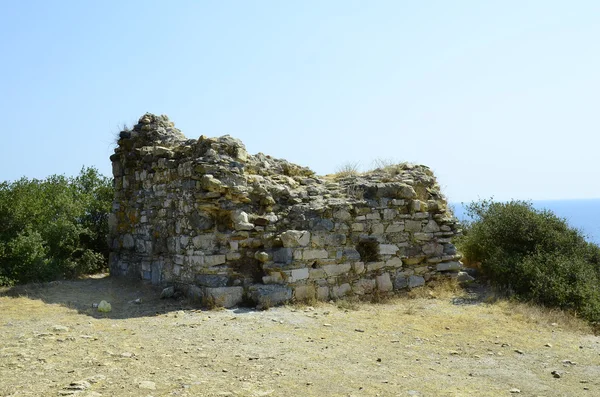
[(388, 249), (358, 267), (213, 260), (395, 227), (298, 274), (372, 266), (342, 215), (225, 296), (448, 266), (394, 262), (389, 213), (310, 254), (304, 292), (336, 270), (364, 286), (358, 227), (431, 227), (415, 281), (412, 226), (423, 236), (195, 260), (375, 216), (338, 291), (384, 283), (322, 293), (377, 228), (295, 238), (315, 274), (270, 295)]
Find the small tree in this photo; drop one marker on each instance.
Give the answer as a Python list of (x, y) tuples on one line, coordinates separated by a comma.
[(535, 255)]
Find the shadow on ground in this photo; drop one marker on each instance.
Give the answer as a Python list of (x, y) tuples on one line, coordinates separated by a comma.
[(81, 295)]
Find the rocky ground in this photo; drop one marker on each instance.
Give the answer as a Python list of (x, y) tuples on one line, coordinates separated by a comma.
[(53, 343)]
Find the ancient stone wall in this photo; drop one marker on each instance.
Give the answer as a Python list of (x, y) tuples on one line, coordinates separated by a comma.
[(228, 227)]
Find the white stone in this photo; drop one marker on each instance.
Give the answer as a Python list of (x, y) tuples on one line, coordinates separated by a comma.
[(336, 270), (295, 238), (314, 254), (298, 274), (388, 249)]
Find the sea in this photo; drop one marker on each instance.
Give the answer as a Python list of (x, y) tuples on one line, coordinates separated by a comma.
[(583, 214)]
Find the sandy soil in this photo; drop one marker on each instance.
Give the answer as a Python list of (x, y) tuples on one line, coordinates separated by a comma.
[(53, 342)]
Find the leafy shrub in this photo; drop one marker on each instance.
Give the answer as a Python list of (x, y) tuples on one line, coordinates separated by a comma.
[(55, 227), (535, 255)]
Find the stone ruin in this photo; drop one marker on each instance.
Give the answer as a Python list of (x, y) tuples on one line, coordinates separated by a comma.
[(221, 225)]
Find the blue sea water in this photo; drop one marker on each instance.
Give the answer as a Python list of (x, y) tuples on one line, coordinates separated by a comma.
[(580, 214)]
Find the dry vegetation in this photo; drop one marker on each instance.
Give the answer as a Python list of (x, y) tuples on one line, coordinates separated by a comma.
[(435, 341)]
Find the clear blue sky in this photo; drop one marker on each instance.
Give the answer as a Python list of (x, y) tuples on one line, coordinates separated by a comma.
[(498, 98)]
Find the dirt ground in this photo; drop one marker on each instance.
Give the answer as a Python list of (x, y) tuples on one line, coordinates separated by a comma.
[(53, 343)]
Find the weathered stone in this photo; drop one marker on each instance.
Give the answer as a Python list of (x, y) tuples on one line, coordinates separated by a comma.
[(314, 254), (338, 291), (270, 295), (304, 292), (336, 270), (364, 286), (283, 255), (384, 283), (203, 213), (415, 281), (448, 266), (412, 226), (224, 296), (298, 274), (388, 249), (295, 238), (431, 227)]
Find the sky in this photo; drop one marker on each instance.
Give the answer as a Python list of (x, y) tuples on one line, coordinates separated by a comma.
[(499, 98)]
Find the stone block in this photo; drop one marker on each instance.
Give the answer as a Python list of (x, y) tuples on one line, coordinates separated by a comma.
[(400, 282), (304, 292), (336, 270), (358, 267), (448, 266), (388, 249), (283, 255), (364, 286), (224, 296), (372, 266), (338, 291), (384, 283), (323, 293), (351, 254), (431, 227), (310, 254), (412, 226), (270, 295), (298, 274), (415, 281), (214, 260), (395, 227), (295, 238)]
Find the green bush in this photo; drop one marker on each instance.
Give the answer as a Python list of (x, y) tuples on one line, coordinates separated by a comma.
[(55, 227), (534, 255)]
